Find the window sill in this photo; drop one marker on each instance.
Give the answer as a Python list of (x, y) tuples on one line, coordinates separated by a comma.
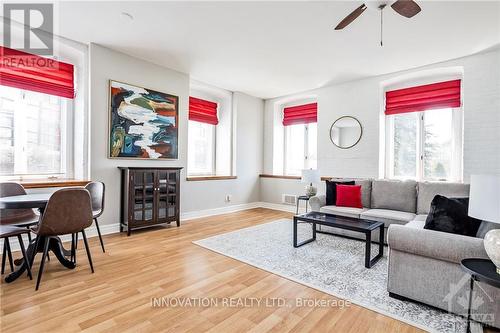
[(45, 183), (287, 177), (279, 176), (200, 178)]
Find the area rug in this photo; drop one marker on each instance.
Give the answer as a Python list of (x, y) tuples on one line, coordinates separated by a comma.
[(334, 265)]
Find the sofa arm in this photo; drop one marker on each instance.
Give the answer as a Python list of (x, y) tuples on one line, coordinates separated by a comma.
[(434, 244), (317, 202)]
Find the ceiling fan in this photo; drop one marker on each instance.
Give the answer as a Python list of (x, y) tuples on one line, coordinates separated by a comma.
[(406, 8)]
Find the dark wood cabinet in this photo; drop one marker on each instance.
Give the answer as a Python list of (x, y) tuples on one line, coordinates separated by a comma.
[(149, 196)]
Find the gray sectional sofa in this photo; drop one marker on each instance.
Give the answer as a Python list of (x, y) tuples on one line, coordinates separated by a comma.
[(424, 265)]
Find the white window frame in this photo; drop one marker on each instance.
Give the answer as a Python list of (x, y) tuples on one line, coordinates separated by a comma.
[(306, 150), (214, 154), (67, 142), (457, 146)]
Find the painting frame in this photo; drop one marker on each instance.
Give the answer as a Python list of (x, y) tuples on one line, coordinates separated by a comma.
[(112, 110)]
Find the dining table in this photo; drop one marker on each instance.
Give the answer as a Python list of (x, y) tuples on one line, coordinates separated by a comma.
[(36, 201)]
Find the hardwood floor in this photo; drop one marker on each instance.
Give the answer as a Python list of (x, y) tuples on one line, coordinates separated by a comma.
[(164, 263)]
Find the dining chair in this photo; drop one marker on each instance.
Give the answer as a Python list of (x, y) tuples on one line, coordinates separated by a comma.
[(14, 217), (96, 190), (7, 231), (68, 211)]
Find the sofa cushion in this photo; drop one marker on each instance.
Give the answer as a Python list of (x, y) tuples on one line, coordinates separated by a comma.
[(366, 188), (366, 191), (394, 195), (417, 224), (343, 211), (388, 216), (420, 218), (428, 190)]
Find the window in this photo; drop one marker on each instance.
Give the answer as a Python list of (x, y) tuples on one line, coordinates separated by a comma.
[(206, 124), (300, 148), (32, 134), (424, 132), (201, 152), (300, 141), (425, 145)]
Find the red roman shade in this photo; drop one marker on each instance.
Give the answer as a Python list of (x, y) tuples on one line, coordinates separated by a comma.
[(300, 114), (32, 72), (430, 96), (203, 111)]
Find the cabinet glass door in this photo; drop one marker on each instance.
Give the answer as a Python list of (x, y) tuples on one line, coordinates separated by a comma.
[(143, 198), (166, 195)]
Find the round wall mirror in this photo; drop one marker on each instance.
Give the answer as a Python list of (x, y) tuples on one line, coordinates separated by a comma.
[(346, 132)]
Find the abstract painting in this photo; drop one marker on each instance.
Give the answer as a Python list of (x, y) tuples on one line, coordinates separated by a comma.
[(144, 123)]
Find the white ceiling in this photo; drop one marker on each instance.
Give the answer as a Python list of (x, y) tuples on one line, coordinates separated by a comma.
[(270, 49)]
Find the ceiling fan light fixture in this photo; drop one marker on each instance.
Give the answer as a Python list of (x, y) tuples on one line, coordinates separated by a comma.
[(378, 4)]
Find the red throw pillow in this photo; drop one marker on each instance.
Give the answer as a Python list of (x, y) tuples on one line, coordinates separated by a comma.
[(349, 196)]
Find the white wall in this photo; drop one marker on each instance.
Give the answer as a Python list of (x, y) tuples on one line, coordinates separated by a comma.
[(362, 99), (106, 64)]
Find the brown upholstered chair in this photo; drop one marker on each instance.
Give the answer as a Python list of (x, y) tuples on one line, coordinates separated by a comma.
[(69, 211), (96, 190), (7, 231), (14, 217)]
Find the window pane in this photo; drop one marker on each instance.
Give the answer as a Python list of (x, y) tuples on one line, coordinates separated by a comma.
[(437, 144), (294, 154), (30, 132), (405, 145), (201, 150), (312, 150), (6, 135), (43, 134)]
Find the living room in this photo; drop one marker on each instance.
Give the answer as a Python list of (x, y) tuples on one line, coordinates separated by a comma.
[(250, 166)]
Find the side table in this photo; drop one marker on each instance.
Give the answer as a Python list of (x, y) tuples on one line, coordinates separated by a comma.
[(480, 270), (304, 198)]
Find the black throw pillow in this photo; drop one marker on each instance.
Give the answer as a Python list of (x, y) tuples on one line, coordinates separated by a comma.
[(331, 190), (451, 215)]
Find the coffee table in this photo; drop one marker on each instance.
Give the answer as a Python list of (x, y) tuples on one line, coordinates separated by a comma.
[(342, 222)]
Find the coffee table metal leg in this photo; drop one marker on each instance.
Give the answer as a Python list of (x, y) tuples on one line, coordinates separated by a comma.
[(295, 241), (368, 249), (368, 261), (381, 241), (295, 231)]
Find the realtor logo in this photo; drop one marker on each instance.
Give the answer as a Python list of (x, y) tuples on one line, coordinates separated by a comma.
[(38, 21)]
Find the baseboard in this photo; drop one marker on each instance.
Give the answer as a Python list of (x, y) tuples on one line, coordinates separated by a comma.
[(217, 211), (107, 229)]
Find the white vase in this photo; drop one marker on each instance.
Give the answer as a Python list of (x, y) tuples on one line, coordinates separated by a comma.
[(492, 246)]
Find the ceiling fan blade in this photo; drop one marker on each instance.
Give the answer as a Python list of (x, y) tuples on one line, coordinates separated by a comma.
[(351, 17), (407, 8)]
